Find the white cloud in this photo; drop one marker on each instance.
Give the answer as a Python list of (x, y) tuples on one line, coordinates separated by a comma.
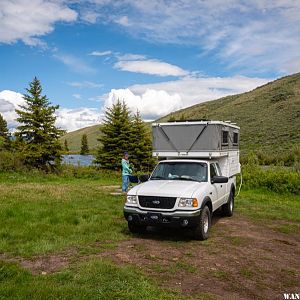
[(100, 53), (85, 84), (130, 56), (77, 96), (151, 103), (124, 21), (74, 63), (158, 99), (72, 119), (150, 66), (28, 20), (67, 118), (9, 101), (257, 36)]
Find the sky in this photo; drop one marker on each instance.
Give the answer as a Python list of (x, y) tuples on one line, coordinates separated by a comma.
[(158, 56)]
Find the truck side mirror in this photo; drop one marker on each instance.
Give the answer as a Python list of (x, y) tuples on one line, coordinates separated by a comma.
[(144, 177), (219, 179)]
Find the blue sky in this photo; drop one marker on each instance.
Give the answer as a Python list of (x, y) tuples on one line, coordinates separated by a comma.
[(158, 56)]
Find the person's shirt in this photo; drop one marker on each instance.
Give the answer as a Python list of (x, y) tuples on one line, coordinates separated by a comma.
[(126, 170)]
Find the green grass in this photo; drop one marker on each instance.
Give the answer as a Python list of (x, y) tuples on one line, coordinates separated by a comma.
[(74, 211), (271, 207), (96, 279), (39, 216)]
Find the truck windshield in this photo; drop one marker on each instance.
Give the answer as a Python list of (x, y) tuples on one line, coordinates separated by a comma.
[(180, 171)]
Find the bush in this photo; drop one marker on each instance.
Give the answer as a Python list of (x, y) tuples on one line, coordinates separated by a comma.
[(286, 158), (277, 179), (11, 161)]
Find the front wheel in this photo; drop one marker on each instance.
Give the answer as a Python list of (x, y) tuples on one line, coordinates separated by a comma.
[(228, 207), (201, 232), (133, 228)]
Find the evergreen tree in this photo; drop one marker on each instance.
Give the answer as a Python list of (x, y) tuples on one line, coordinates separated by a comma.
[(140, 150), (66, 146), (116, 136), (38, 135), (84, 145), (5, 142)]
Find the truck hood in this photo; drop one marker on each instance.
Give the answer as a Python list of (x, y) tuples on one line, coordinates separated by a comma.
[(167, 188)]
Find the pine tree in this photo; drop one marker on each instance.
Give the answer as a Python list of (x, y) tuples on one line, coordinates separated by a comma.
[(84, 145), (5, 142), (66, 146), (141, 145), (116, 136), (39, 136)]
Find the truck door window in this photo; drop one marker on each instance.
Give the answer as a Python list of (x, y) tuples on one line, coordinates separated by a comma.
[(218, 169), (213, 171)]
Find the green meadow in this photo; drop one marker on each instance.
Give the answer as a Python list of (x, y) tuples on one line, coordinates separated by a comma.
[(78, 214)]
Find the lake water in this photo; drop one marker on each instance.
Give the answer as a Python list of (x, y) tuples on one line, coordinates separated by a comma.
[(78, 160)]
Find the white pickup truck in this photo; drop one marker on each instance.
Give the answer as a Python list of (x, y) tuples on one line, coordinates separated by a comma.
[(185, 190)]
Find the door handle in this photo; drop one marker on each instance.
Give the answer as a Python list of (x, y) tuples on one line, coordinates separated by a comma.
[(221, 185)]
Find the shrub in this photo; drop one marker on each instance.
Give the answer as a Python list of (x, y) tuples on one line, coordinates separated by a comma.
[(11, 161), (277, 179)]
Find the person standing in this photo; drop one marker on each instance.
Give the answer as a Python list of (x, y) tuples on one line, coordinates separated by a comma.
[(126, 171)]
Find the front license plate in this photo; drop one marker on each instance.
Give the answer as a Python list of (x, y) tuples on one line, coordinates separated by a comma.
[(154, 217)]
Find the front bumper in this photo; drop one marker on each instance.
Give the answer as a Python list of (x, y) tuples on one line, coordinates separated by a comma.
[(177, 219)]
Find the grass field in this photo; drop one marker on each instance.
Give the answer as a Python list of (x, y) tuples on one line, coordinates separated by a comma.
[(58, 236)]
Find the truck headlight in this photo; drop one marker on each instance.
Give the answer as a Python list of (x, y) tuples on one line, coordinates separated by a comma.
[(131, 199), (188, 202)]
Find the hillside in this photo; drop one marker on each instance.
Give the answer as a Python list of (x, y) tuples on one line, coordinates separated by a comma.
[(74, 138), (269, 116)]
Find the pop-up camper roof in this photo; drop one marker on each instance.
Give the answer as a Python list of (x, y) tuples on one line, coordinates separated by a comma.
[(205, 139)]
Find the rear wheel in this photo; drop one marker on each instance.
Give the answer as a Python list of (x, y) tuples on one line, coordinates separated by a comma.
[(133, 228), (201, 232), (228, 207)]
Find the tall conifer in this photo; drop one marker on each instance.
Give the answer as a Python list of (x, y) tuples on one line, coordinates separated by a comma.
[(5, 142), (84, 145), (140, 145), (37, 130), (115, 140)]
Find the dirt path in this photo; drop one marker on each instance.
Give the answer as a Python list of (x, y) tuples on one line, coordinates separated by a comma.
[(241, 260)]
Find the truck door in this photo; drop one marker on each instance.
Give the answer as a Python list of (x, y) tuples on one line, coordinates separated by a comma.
[(216, 187), (221, 186)]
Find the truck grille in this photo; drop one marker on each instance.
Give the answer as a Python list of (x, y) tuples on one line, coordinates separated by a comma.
[(157, 202)]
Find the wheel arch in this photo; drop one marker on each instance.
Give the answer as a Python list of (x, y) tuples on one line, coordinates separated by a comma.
[(207, 202), (233, 189)]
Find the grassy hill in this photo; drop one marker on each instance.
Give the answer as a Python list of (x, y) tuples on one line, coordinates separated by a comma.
[(269, 117), (74, 138)]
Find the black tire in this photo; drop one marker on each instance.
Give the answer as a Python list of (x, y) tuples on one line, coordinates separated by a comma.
[(201, 232), (133, 228), (227, 208)]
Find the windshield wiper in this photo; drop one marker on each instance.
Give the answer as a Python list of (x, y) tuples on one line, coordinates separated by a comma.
[(157, 177), (189, 179)]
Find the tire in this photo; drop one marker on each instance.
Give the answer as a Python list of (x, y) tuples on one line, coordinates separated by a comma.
[(133, 228), (227, 208), (201, 232)]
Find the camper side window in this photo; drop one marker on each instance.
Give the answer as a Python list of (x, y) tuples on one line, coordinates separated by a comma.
[(224, 137), (235, 138)]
